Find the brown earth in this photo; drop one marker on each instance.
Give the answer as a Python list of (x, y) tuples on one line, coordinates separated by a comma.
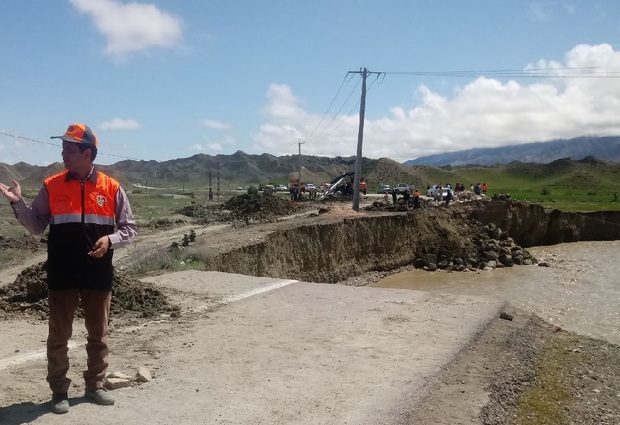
[(27, 296), (518, 371)]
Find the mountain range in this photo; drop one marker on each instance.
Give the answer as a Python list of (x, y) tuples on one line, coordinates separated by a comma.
[(241, 169), (607, 148)]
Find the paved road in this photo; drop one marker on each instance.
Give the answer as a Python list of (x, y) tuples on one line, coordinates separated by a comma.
[(266, 351)]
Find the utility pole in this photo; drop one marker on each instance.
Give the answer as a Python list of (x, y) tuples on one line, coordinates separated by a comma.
[(218, 178), (210, 188), (360, 137), (299, 158)]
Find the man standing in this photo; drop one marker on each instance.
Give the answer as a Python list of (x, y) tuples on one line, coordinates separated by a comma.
[(416, 199), (89, 216)]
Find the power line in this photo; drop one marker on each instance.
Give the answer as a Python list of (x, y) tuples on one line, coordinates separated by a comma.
[(345, 79), (60, 147), (339, 110), (330, 106), (565, 72), (356, 105)]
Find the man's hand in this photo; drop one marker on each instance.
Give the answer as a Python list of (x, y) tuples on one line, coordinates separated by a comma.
[(13, 194), (101, 247)]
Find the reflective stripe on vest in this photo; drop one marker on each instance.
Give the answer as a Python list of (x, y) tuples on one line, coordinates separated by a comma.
[(77, 218)]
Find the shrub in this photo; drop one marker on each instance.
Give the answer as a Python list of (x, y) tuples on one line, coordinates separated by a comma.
[(545, 191), (252, 190)]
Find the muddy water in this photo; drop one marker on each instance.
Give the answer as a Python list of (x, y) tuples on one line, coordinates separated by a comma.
[(580, 291)]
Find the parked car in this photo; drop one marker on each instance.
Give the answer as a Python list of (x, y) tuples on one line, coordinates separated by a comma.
[(384, 188), (310, 186), (402, 188), (433, 192), (281, 188)]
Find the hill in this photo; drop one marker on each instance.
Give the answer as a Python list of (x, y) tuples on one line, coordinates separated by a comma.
[(540, 152), (585, 176), (238, 169)]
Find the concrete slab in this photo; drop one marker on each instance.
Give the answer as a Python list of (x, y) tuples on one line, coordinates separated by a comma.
[(301, 353)]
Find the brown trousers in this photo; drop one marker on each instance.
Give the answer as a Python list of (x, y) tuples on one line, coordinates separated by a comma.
[(62, 305)]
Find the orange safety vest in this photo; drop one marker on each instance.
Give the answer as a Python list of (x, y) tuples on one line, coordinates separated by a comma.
[(81, 213)]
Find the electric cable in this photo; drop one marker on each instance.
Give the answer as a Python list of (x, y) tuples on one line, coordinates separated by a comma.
[(339, 110), (60, 147)]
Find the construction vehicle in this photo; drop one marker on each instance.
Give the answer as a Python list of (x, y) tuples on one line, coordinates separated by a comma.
[(343, 185)]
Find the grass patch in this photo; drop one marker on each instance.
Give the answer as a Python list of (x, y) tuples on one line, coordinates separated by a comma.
[(172, 259), (547, 400)]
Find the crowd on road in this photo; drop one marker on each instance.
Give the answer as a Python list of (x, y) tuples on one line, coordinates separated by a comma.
[(410, 198)]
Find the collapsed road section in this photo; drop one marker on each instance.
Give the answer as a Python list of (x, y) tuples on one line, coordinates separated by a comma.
[(464, 237)]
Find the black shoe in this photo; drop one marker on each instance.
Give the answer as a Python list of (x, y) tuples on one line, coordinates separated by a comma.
[(60, 403), (99, 396)]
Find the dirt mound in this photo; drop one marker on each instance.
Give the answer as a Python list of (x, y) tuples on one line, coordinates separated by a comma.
[(25, 242), (194, 210), (27, 295), (259, 207)]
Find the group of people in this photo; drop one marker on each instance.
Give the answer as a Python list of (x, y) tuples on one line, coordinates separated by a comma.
[(297, 194), (479, 189), (408, 200), (89, 217)]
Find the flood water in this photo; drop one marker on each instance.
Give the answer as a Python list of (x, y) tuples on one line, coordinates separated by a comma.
[(579, 292)]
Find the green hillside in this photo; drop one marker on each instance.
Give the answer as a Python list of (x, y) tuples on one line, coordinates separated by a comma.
[(587, 185)]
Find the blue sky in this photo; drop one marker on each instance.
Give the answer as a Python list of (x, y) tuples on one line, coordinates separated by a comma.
[(168, 79)]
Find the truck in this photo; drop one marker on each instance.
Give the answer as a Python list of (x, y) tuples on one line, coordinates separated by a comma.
[(401, 188)]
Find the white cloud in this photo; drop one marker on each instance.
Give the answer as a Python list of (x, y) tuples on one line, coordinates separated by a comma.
[(207, 147), (213, 145), (119, 124), (485, 112), (216, 125), (131, 27)]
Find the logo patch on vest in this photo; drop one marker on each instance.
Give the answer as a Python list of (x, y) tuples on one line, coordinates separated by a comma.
[(100, 200)]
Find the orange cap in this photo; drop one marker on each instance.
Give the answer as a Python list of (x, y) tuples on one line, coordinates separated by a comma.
[(79, 133)]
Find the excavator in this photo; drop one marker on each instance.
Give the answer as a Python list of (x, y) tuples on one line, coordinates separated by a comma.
[(343, 185)]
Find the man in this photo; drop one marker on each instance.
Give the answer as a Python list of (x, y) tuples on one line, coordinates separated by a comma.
[(416, 199), (89, 216)]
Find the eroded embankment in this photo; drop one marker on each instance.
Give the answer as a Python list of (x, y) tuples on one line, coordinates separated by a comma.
[(462, 237), (333, 251), (532, 225)]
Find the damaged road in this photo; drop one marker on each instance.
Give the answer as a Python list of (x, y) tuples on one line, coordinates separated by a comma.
[(298, 353), (275, 349)]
